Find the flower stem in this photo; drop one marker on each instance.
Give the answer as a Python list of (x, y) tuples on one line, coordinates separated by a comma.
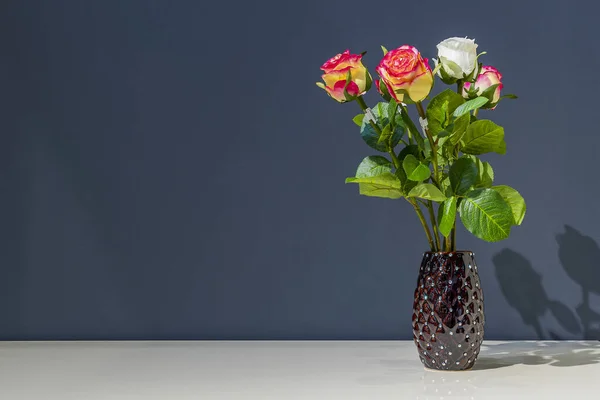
[(436, 172), (395, 159), (411, 126), (423, 222), (434, 224), (459, 86), (364, 107), (453, 237), (361, 103)]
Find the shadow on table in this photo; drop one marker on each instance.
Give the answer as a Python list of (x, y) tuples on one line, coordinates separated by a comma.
[(522, 286), (555, 354)]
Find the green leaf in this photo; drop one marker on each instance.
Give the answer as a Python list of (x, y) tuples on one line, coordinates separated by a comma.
[(445, 186), (385, 185), (371, 136), (460, 126), (405, 183), (463, 175), (320, 84), (470, 106), (485, 173), (392, 108), (358, 119), (514, 200), (440, 108), (427, 191), (385, 51), (373, 166), (410, 149), (415, 170), (483, 136), (486, 215), (508, 96), (447, 216)]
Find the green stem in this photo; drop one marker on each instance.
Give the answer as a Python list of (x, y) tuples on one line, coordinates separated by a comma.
[(476, 112), (436, 172), (436, 234), (423, 222), (361, 103), (364, 107), (459, 89), (460, 84), (395, 159), (412, 128), (452, 239), (410, 137)]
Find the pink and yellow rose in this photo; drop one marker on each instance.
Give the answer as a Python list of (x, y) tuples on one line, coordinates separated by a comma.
[(404, 71), (488, 76), (345, 77)]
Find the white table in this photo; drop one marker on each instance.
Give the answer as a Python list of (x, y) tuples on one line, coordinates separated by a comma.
[(290, 371)]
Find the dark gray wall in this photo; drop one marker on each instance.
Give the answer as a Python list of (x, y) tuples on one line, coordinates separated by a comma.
[(170, 170)]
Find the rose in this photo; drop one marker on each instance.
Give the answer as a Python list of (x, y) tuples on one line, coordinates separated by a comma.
[(404, 71), (488, 76), (458, 58), (345, 77)]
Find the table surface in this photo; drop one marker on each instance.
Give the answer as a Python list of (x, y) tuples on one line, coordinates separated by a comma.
[(290, 370)]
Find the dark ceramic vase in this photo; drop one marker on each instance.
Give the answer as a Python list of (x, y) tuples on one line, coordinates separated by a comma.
[(448, 311)]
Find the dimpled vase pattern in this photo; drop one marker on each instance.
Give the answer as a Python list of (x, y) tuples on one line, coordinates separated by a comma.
[(448, 314)]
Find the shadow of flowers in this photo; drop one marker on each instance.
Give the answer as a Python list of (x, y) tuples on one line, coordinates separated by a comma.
[(522, 286), (555, 354)]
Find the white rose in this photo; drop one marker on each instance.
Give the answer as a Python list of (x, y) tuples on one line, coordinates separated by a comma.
[(458, 56)]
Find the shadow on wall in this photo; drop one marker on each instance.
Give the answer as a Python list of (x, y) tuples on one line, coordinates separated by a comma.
[(522, 286)]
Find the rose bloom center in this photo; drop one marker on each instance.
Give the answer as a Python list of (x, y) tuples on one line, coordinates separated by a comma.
[(401, 62)]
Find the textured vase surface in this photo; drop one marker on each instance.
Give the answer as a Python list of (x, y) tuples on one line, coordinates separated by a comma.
[(448, 314)]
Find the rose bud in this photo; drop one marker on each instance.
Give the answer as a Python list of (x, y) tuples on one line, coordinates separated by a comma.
[(404, 71), (345, 77), (488, 76), (458, 58)]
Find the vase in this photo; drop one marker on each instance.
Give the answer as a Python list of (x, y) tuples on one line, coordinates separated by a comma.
[(448, 316)]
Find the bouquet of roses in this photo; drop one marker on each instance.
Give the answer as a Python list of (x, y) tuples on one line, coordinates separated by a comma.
[(436, 168)]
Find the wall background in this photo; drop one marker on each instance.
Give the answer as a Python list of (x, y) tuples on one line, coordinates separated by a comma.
[(169, 170)]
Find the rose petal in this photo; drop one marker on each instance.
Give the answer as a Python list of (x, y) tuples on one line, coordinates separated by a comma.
[(332, 77), (420, 87), (352, 89), (337, 91)]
